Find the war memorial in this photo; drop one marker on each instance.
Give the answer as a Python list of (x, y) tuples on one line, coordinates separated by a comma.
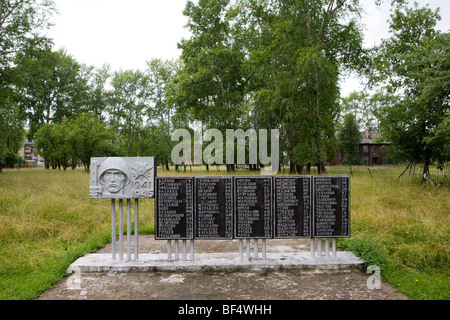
[(248, 210)]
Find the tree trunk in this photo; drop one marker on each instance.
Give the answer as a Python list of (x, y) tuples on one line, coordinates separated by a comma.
[(426, 169), (427, 178), (321, 167), (292, 168)]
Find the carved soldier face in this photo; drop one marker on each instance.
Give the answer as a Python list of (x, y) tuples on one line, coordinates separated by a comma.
[(113, 180)]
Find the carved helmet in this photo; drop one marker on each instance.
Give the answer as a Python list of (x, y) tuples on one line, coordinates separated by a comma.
[(115, 164)]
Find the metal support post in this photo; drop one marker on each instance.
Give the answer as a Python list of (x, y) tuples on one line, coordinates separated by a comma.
[(136, 229), (264, 249), (334, 247), (120, 229), (319, 248), (129, 229), (169, 250), (113, 228), (248, 248), (241, 249), (177, 252)]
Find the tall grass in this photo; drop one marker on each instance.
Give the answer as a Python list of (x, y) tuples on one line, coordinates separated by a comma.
[(47, 221), (410, 222)]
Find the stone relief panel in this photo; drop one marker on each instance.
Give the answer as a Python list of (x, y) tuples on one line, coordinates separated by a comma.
[(122, 178)]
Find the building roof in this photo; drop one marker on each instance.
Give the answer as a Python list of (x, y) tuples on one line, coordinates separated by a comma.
[(372, 137)]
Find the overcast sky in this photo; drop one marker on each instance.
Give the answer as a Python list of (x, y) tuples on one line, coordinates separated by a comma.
[(127, 33)]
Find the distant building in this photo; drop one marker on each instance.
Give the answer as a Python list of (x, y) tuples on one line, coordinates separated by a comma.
[(370, 150), (30, 155)]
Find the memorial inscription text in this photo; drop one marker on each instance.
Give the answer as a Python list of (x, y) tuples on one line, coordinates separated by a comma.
[(174, 213), (213, 208), (253, 207), (292, 214), (331, 206)]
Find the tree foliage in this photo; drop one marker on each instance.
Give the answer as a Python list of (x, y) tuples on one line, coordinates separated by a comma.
[(21, 25), (49, 87), (415, 62), (211, 84), (248, 64), (296, 51), (368, 109), (349, 138), (64, 144)]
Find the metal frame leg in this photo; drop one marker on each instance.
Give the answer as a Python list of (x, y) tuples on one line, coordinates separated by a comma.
[(241, 249), (177, 250), (264, 249), (248, 248), (113, 228), (192, 250), (120, 229), (136, 229), (128, 229), (319, 248), (169, 250)]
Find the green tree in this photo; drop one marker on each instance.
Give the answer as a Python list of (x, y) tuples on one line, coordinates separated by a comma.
[(87, 137), (21, 25), (415, 62), (163, 112), (127, 106), (63, 144), (99, 94), (296, 51), (47, 141), (12, 133), (368, 109), (349, 138), (211, 85), (49, 87)]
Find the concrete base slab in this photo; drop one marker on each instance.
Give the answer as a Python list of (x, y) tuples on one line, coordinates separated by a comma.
[(219, 262)]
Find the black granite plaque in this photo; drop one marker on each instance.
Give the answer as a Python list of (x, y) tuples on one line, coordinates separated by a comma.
[(174, 208), (253, 207), (213, 208), (292, 207), (331, 213)]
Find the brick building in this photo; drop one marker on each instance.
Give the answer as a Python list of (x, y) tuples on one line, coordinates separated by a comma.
[(370, 150)]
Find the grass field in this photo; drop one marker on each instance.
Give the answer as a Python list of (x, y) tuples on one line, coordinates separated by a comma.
[(47, 221)]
